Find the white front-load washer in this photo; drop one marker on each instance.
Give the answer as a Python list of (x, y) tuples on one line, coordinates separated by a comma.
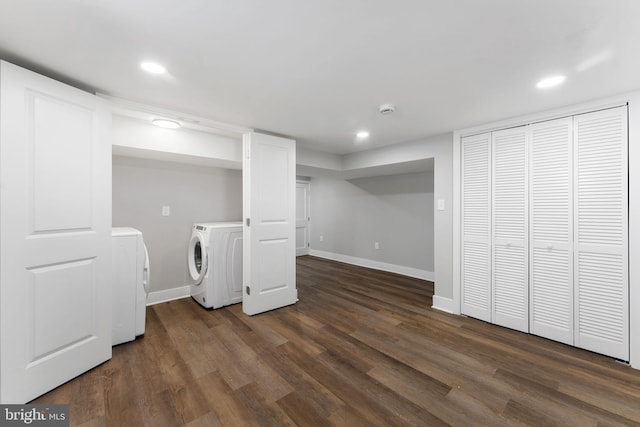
[(215, 263)]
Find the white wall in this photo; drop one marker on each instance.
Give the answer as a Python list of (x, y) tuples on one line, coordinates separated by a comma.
[(404, 158), (316, 160), (194, 194), (138, 138), (394, 210), (440, 149)]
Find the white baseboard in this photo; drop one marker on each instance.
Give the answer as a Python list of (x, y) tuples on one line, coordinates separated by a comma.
[(376, 265), (444, 304), (168, 295), (185, 291)]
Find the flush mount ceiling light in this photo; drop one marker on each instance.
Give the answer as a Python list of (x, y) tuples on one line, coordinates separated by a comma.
[(167, 124), (152, 67), (387, 108), (550, 82), (363, 134)]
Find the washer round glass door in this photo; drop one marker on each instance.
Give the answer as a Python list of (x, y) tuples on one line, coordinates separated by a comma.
[(198, 259)]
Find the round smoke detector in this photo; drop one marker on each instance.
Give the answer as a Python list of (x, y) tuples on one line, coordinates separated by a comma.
[(387, 108)]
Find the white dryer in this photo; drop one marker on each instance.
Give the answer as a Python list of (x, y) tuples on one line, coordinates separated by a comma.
[(130, 284), (215, 263)]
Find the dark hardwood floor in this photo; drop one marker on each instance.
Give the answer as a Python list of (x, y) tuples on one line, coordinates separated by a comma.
[(360, 348)]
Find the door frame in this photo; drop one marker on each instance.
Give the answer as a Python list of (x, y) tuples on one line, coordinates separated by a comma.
[(308, 208)]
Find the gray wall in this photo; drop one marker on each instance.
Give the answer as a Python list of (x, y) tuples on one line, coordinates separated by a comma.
[(395, 210), (443, 183), (194, 193), (440, 148)]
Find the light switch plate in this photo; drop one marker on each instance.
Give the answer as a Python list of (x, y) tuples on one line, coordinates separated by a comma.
[(440, 204)]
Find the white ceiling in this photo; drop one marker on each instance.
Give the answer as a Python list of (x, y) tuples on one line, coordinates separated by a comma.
[(317, 70)]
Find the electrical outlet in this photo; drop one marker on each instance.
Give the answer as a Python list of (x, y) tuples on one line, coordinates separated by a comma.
[(321, 238), (166, 211), (376, 245)]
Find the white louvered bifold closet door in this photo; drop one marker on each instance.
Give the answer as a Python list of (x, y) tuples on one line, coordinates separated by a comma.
[(601, 232), (510, 279), (476, 223), (551, 226)]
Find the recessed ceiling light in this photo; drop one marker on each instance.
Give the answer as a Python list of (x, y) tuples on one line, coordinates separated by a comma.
[(153, 67), (167, 124), (362, 134), (550, 82)]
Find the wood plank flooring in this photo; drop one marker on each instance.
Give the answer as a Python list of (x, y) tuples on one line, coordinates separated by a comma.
[(360, 348)]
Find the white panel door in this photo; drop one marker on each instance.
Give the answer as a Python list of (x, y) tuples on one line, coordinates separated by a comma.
[(476, 226), (601, 232), (55, 222), (551, 232), (510, 278), (269, 207), (302, 218)]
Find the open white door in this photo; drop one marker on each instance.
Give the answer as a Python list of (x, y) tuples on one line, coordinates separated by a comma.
[(302, 218), (269, 210), (55, 228)]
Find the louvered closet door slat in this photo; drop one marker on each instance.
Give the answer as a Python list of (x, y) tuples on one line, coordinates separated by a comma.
[(601, 257), (510, 280), (476, 223), (550, 228)]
